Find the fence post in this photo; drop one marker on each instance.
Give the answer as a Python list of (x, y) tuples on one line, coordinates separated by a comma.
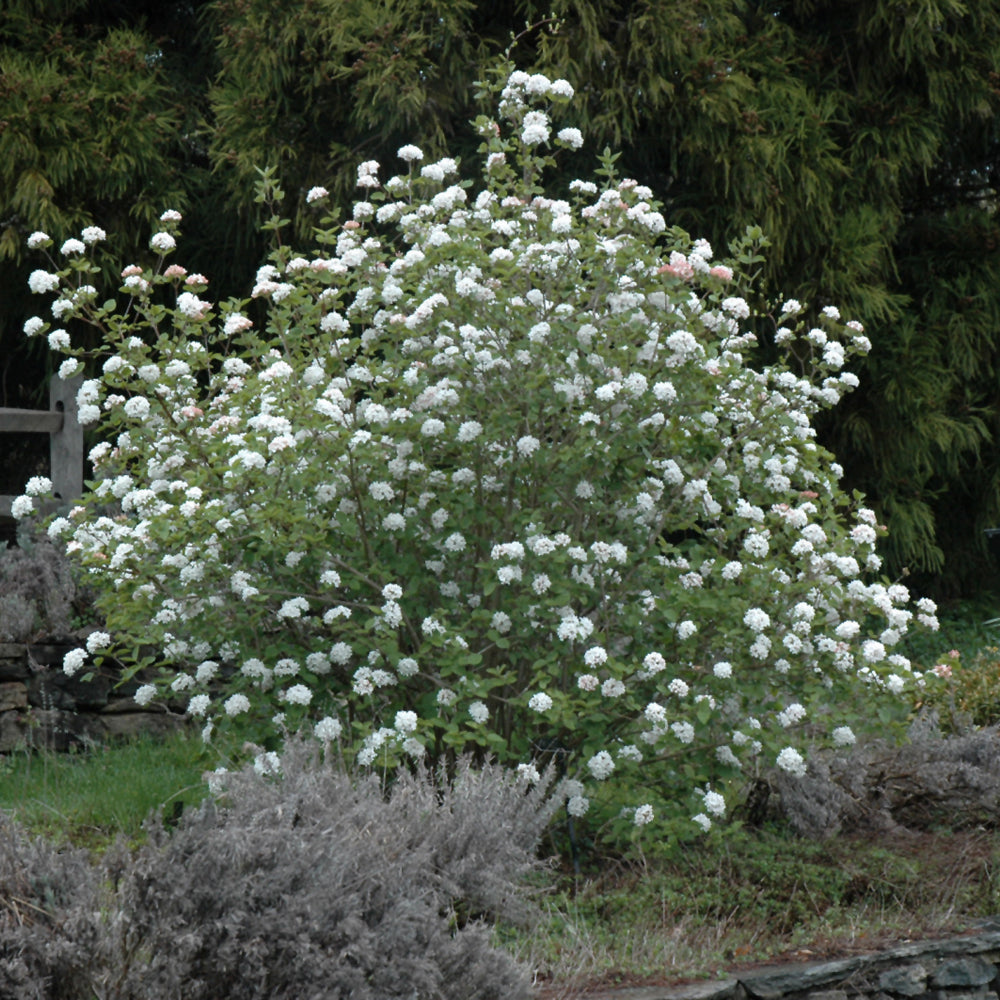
[(61, 423), (66, 444)]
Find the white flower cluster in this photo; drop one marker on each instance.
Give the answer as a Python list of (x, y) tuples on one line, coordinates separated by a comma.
[(509, 472)]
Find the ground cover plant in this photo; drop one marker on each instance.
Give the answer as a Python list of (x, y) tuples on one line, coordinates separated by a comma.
[(492, 468)]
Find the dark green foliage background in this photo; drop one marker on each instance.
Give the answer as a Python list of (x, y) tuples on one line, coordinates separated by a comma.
[(861, 135)]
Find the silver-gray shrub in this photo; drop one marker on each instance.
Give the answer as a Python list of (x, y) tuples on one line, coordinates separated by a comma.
[(49, 918), (38, 591), (883, 786), (307, 884)]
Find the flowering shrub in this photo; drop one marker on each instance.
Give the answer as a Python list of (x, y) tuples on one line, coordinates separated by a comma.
[(493, 469), (964, 695)]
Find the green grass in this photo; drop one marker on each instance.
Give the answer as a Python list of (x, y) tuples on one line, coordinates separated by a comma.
[(91, 797)]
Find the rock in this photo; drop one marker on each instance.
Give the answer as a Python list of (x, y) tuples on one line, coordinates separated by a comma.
[(964, 972), (907, 980), (135, 723), (13, 694)]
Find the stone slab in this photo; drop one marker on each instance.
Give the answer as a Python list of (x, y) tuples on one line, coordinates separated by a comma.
[(13, 695)]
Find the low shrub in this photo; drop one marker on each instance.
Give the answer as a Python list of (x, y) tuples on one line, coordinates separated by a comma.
[(927, 783), (40, 594), (299, 883)]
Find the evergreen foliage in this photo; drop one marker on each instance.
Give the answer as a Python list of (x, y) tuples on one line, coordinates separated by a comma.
[(860, 136)]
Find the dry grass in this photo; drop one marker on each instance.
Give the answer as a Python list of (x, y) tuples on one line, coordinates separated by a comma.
[(761, 899)]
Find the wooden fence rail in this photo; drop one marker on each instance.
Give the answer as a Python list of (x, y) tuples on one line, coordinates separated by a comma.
[(65, 438)]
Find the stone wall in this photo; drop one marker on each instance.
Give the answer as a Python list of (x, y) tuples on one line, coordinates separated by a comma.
[(41, 707), (958, 968)]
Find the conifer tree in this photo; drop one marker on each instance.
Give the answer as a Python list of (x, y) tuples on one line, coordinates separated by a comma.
[(860, 136)]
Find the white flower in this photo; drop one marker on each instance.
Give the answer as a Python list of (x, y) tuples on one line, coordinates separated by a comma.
[(21, 507), (573, 137), (410, 153), (686, 629), (601, 765), (479, 712), (267, 763), (791, 760), (612, 688), (655, 713), (539, 702), (72, 247), (528, 445), (469, 431), (678, 687), (199, 705), (41, 281), (236, 704), (327, 729), (843, 736), (684, 731), (93, 234), (38, 239), (703, 821), (643, 815), (407, 667), (577, 805), (535, 128), (405, 723), (38, 486), (654, 663), (137, 408), (298, 694), (97, 641), (315, 193), (872, 651), (756, 619), (162, 242), (791, 715), (528, 773), (145, 694), (206, 671), (791, 307), (73, 661), (715, 804), (293, 608)]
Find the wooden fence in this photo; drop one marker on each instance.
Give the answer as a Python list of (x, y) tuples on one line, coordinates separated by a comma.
[(65, 438)]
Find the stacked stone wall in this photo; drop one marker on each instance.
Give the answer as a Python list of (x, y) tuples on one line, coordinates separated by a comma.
[(958, 968), (41, 707)]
